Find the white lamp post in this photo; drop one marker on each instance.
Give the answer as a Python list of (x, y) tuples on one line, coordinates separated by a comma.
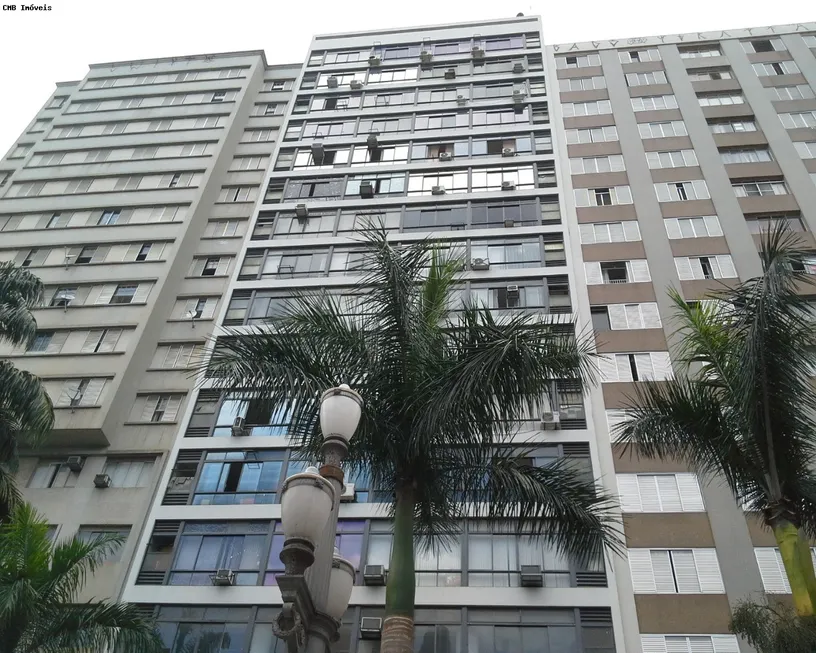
[(314, 603)]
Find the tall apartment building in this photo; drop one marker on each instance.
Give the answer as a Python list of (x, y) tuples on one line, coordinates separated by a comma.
[(129, 195), (580, 181)]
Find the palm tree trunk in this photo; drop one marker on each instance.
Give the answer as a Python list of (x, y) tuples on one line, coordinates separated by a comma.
[(788, 538), (398, 627), (806, 562)]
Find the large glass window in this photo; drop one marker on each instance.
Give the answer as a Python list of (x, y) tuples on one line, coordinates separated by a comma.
[(438, 183), (239, 478), (491, 179), (488, 215), (508, 256), (259, 418), (431, 218)]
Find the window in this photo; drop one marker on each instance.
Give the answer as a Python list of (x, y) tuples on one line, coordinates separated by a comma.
[(238, 194), (33, 257), (610, 232), (705, 267), (763, 45), (258, 135), (109, 216), (776, 68), (63, 296), (52, 474), (581, 84), (124, 294), (617, 317), (810, 40), (732, 126), (650, 366), (690, 643), (660, 493), (798, 120), (593, 108), (58, 221), (634, 56), (593, 135), (654, 103), (760, 188), (772, 569), (156, 408), (671, 159), (681, 191), (701, 227), (800, 92), (239, 478), (699, 52), (720, 100), (88, 534), (635, 271), (762, 223), (644, 79), (675, 571), (48, 342), (608, 163), (603, 196), (507, 256), (747, 155), (578, 61), (196, 308), (176, 356), (807, 150), (709, 74), (101, 341), (80, 392), (491, 179), (662, 129)]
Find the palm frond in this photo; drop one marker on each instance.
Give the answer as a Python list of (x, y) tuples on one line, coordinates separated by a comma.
[(26, 410), (20, 291)]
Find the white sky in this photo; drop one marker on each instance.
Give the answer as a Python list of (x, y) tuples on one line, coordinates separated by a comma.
[(38, 49)]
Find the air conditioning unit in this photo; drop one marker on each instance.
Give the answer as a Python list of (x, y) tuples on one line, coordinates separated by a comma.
[(332, 81), (374, 575), (356, 85), (239, 428), (102, 481), (461, 100), (477, 51), (366, 189), (318, 152), (509, 222), (508, 185), (518, 96), (301, 211), (438, 190), (518, 68), (348, 494), (374, 59), (373, 141), (370, 628), (445, 156), (426, 56), (508, 151), (450, 73), (512, 290), (531, 576), (75, 463), (551, 421), (223, 578), (480, 264)]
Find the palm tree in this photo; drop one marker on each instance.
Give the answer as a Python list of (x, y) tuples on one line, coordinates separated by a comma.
[(26, 413), (439, 393), (745, 411), (39, 582)]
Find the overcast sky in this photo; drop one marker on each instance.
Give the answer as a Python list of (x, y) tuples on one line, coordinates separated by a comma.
[(38, 49)]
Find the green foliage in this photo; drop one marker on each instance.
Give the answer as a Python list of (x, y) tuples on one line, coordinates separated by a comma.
[(774, 628), (440, 391), (39, 584)]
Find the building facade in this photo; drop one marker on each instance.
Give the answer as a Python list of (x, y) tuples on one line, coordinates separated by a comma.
[(580, 181)]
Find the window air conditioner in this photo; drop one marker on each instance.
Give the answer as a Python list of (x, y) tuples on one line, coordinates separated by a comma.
[(223, 578), (370, 628), (374, 59), (374, 575), (102, 481), (438, 190), (75, 463), (480, 264), (426, 56), (518, 67), (444, 156), (551, 421), (450, 73), (332, 81), (318, 152), (508, 185), (348, 494), (461, 100), (372, 141), (301, 211), (509, 222), (355, 84), (477, 50), (366, 189), (512, 290), (239, 428), (531, 576), (508, 151), (518, 96)]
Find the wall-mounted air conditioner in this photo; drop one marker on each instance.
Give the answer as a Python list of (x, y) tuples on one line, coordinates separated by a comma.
[(480, 264), (239, 428)]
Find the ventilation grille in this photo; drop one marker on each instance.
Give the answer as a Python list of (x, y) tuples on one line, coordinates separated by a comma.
[(189, 456), (590, 579), (576, 448), (573, 424), (150, 578), (166, 527), (197, 432), (209, 395), (145, 610), (175, 499), (596, 616)]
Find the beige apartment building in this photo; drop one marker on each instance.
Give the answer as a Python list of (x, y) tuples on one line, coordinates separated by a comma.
[(582, 181)]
